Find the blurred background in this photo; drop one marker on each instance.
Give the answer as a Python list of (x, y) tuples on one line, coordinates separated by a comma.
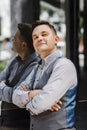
[(70, 20)]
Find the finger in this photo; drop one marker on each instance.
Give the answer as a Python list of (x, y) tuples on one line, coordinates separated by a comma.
[(56, 107), (59, 102), (23, 87), (27, 87), (51, 109)]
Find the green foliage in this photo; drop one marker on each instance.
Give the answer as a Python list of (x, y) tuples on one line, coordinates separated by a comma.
[(81, 26), (81, 22), (2, 65)]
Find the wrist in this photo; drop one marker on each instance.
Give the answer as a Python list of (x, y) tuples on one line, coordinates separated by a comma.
[(29, 95)]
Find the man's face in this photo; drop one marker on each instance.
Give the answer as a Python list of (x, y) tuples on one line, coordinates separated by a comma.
[(44, 40), (17, 43)]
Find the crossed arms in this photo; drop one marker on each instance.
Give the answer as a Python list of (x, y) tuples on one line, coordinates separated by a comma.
[(62, 79)]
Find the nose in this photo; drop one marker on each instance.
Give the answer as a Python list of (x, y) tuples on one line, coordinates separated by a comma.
[(40, 38)]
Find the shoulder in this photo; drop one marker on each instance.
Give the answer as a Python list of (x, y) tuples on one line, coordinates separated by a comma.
[(64, 62), (12, 61)]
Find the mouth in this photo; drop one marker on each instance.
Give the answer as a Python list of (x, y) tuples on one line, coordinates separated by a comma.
[(40, 44)]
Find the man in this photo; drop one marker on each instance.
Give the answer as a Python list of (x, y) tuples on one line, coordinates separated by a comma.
[(13, 118), (57, 78)]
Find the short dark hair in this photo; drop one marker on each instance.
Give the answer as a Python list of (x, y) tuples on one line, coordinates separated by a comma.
[(26, 34), (42, 22)]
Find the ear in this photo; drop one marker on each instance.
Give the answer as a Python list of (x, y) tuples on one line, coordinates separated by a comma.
[(56, 39), (24, 44)]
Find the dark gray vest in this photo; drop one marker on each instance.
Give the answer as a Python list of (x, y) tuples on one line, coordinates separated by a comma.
[(44, 78)]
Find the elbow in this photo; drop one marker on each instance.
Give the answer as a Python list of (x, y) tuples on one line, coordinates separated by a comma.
[(20, 98)]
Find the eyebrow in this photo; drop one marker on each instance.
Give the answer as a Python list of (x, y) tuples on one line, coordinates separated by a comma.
[(41, 32)]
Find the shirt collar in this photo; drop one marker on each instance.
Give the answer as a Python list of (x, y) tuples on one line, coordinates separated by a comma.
[(50, 58)]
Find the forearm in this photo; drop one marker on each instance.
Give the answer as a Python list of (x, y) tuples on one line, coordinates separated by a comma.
[(21, 97), (57, 86)]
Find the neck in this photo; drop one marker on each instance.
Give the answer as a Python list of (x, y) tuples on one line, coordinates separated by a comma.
[(43, 55), (25, 55)]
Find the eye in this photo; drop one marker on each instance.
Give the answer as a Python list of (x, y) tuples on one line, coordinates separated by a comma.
[(44, 34), (35, 37)]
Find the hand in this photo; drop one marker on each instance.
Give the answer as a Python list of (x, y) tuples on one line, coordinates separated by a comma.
[(25, 87), (2, 84), (57, 106), (33, 93)]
